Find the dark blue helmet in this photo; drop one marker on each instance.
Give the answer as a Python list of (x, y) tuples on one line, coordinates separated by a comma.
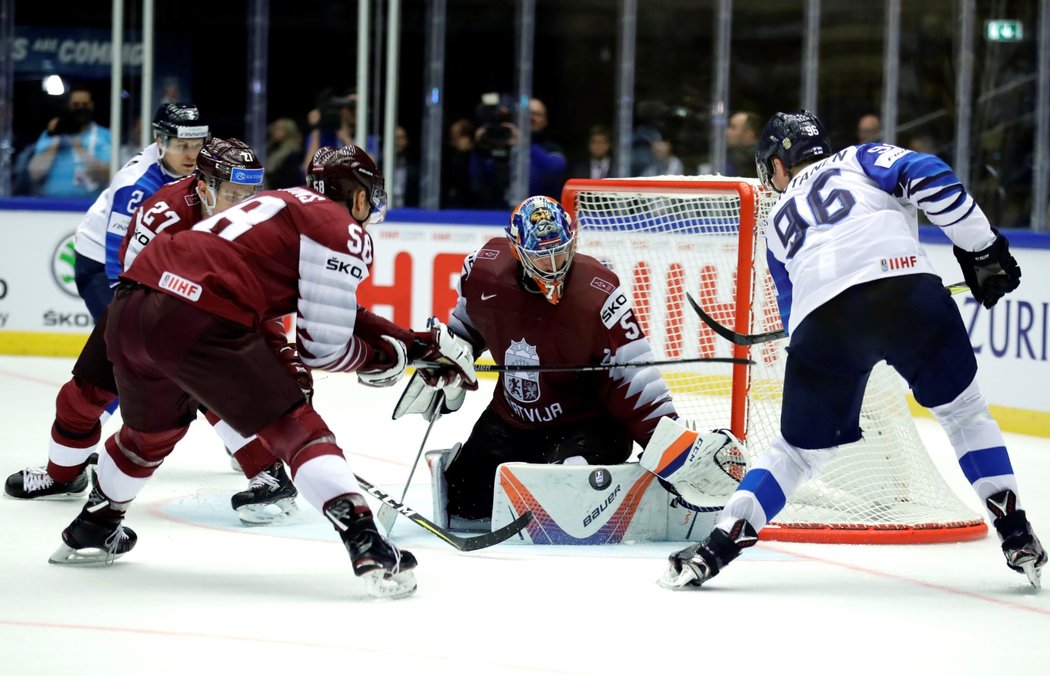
[(794, 138)]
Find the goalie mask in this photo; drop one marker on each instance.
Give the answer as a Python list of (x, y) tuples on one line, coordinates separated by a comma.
[(543, 238), (794, 138), (229, 167), (337, 172)]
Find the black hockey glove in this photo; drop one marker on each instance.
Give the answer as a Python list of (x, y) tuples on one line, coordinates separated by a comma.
[(990, 273)]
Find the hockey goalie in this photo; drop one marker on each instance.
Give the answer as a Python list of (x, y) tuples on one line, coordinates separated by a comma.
[(577, 393)]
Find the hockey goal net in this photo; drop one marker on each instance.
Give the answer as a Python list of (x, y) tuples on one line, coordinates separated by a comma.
[(667, 236)]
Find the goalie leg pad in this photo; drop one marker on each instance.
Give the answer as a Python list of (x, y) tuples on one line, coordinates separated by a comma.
[(437, 461), (703, 467)]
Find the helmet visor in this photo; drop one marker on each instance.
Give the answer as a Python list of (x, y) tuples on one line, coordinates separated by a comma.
[(377, 202)]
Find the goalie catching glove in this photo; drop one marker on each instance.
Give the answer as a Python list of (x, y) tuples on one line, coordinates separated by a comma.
[(703, 468), (450, 382), (991, 273)]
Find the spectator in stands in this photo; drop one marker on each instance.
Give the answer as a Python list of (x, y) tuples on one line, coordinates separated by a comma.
[(284, 154), (869, 128), (547, 159), (665, 162), (457, 190), (404, 188), (741, 139), (490, 170), (599, 162), (333, 123), (922, 143), (71, 158)]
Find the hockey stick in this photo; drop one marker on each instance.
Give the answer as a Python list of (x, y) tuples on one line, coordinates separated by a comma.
[(463, 544), (583, 368), (388, 515), (756, 338)]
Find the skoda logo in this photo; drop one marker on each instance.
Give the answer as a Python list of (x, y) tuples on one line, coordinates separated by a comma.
[(600, 479), (62, 266)]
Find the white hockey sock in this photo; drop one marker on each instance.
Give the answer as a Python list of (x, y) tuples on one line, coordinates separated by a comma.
[(115, 484), (978, 443), (231, 437), (323, 478), (68, 456), (772, 479)]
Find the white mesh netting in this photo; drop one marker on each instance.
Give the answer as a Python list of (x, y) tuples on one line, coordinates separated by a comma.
[(666, 236)]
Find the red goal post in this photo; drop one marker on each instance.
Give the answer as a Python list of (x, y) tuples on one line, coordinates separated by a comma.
[(665, 236)]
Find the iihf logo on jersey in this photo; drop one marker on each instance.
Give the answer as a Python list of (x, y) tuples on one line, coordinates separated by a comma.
[(898, 263), (522, 385)]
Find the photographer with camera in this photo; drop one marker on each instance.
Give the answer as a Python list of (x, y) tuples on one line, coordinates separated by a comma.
[(333, 123), (71, 157), (495, 136)]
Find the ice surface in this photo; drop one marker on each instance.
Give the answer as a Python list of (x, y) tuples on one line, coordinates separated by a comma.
[(201, 594)]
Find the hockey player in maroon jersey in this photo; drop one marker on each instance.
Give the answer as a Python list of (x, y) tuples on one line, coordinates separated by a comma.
[(530, 298), (185, 328), (227, 171)]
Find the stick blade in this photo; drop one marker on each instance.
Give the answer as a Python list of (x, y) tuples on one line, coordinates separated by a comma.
[(386, 516)]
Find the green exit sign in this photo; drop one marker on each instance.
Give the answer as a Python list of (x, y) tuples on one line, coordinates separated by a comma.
[(1003, 31)]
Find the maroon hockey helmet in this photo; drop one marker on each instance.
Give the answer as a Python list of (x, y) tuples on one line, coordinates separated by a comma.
[(228, 161), (337, 172)]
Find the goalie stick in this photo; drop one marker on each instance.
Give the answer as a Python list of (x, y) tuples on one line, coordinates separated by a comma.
[(388, 515), (463, 544), (582, 368), (756, 338)]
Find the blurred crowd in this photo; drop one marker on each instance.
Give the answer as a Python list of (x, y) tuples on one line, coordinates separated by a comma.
[(71, 157)]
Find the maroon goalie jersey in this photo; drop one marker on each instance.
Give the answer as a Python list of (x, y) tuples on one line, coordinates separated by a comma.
[(280, 252), (593, 324)]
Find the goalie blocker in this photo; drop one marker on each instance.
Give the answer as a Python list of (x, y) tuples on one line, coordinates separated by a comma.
[(674, 493)]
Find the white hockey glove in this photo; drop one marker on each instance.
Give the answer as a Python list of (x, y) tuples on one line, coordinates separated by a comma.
[(703, 468), (391, 368), (439, 345)]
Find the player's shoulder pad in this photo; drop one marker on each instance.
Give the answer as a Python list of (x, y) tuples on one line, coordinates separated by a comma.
[(492, 251), (604, 285), (882, 155)]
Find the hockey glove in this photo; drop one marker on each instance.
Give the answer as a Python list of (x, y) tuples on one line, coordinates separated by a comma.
[(990, 273), (439, 344), (702, 468), (389, 364), (294, 365)]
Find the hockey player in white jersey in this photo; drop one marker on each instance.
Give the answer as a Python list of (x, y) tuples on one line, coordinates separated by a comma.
[(854, 287), (179, 136)]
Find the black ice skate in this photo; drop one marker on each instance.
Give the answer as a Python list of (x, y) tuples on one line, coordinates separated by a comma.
[(97, 535), (386, 569), (1022, 549), (35, 482), (270, 497), (698, 563)]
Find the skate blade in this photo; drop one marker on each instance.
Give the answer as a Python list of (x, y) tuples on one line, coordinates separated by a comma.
[(68, 495), (383, 586), (264, 515), (67, 556), (1034, 574), (682, 580)]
